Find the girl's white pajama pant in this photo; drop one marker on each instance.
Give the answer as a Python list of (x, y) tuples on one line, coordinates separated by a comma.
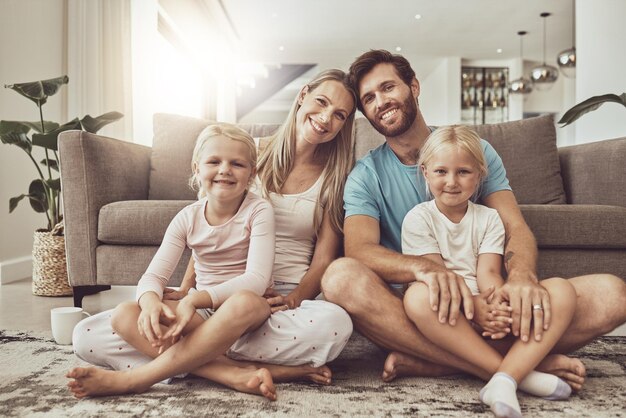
[(313, 334)]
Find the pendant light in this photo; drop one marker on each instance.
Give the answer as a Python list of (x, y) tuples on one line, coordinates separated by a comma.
[(544, 75), (521, 85), (567, 59)]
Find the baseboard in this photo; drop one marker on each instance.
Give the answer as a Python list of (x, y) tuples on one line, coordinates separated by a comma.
[(16, 269)]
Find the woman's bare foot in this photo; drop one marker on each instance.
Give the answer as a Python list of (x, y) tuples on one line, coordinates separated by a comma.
[(321, 375), (399, 364), (570, 369), (92, 381), (260, 383)]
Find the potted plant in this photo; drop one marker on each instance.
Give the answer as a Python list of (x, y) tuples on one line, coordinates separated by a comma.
[(44, 193), (589, 105)]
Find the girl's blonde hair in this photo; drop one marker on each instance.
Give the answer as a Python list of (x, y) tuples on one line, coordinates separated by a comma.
[(276, 160), (457, 137), (227, 130)]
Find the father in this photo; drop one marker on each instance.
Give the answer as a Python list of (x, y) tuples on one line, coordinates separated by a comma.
[(381, 189)]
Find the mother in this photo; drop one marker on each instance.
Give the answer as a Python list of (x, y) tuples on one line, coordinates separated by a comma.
[(302, 170)]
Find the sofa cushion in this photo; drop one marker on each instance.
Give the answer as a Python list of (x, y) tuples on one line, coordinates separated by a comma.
[(529, 153), (527, 148), (577, 226), (174, 139), (137, 222)]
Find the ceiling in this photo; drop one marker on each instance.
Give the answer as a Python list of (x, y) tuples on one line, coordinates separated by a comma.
[(311, 31)]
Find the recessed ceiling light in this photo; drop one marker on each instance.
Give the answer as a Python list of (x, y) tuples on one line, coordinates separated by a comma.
[(274, 15), (281, 48), (499, 50), (418, 16), (398, 49)]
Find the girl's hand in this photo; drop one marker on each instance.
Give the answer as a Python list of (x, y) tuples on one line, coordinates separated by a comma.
[(173, 294), (494, 319), (153, 314), (184, 312)]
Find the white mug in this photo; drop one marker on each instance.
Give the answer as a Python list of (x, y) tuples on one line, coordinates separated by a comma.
[(63, 320)]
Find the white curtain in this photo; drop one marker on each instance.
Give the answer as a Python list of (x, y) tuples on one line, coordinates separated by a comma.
[(99, 62)]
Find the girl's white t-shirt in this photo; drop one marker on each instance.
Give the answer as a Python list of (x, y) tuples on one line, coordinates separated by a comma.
[(425, 230)]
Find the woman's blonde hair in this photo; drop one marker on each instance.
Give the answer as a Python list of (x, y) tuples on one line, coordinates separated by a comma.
[(276, 160), (227, 130), (457, 137)]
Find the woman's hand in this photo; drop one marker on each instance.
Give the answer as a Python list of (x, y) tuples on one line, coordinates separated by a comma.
[(278, 302), (153, 314), (493, 318), (173, 294)]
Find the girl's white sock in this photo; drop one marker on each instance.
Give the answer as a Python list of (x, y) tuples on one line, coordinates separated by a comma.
[(500, 394), (545, 385)]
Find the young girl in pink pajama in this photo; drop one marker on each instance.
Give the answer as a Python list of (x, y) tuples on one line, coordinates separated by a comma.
[(231, 234)]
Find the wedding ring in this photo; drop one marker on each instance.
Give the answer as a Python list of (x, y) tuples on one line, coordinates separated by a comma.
[(537, 308)]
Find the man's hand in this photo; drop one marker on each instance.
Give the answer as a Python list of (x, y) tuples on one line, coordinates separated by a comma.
[(447, 291), (530, 303), (494, 319)]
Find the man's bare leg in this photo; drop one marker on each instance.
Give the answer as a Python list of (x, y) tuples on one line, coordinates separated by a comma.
[(600, 309), (379, 315), (241, 313)]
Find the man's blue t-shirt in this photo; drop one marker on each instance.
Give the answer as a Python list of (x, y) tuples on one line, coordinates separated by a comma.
[(382, 187)]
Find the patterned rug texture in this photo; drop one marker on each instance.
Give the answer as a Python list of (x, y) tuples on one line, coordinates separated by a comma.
[(32, 384)]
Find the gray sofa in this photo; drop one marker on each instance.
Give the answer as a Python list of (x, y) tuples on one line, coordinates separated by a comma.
[(119, 197)]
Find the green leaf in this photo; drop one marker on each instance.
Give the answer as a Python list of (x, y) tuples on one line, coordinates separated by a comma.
[(54, 184), (39, 91), (49, 140), (37, 196), (93, 125), (10, 126), (7, 126), (589, 105), (19, 139), (47, 162), (14, 201)]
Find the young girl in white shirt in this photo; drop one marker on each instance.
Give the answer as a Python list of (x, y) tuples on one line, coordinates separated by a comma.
[(232, 237), (468, 239)]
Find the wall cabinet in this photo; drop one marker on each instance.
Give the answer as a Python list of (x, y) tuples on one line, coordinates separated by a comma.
[(484, 95)]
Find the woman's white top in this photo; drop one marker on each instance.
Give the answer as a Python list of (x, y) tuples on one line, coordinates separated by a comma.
[(295, 232)]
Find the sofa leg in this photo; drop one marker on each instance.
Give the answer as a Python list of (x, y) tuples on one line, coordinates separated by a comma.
[(81, 291)]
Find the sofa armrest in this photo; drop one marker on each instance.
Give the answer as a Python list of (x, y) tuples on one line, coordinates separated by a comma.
[(95, 171), (595, 173)]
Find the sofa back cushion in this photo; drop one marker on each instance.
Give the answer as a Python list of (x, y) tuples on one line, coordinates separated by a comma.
[(174, 139), (527, 148)]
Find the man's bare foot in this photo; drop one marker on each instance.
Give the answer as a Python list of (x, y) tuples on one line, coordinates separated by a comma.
[(570, 369), (321, 375), (92, 381), (260, 383), (399, 364)]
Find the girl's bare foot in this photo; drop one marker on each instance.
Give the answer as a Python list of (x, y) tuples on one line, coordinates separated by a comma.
[(260, 383), (399, 364), (570, 369), (321, 375), (92, 381)]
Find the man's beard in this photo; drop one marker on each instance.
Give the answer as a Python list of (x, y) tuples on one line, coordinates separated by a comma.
[(408, 113)]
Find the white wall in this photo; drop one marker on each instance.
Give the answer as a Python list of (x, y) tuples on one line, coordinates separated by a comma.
[(31, 45), (439, 99), (600, 62)]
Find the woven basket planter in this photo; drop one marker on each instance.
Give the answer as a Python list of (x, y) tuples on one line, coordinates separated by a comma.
[(49, 266)]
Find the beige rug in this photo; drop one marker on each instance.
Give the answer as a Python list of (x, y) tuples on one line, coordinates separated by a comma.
[(32, 384)]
